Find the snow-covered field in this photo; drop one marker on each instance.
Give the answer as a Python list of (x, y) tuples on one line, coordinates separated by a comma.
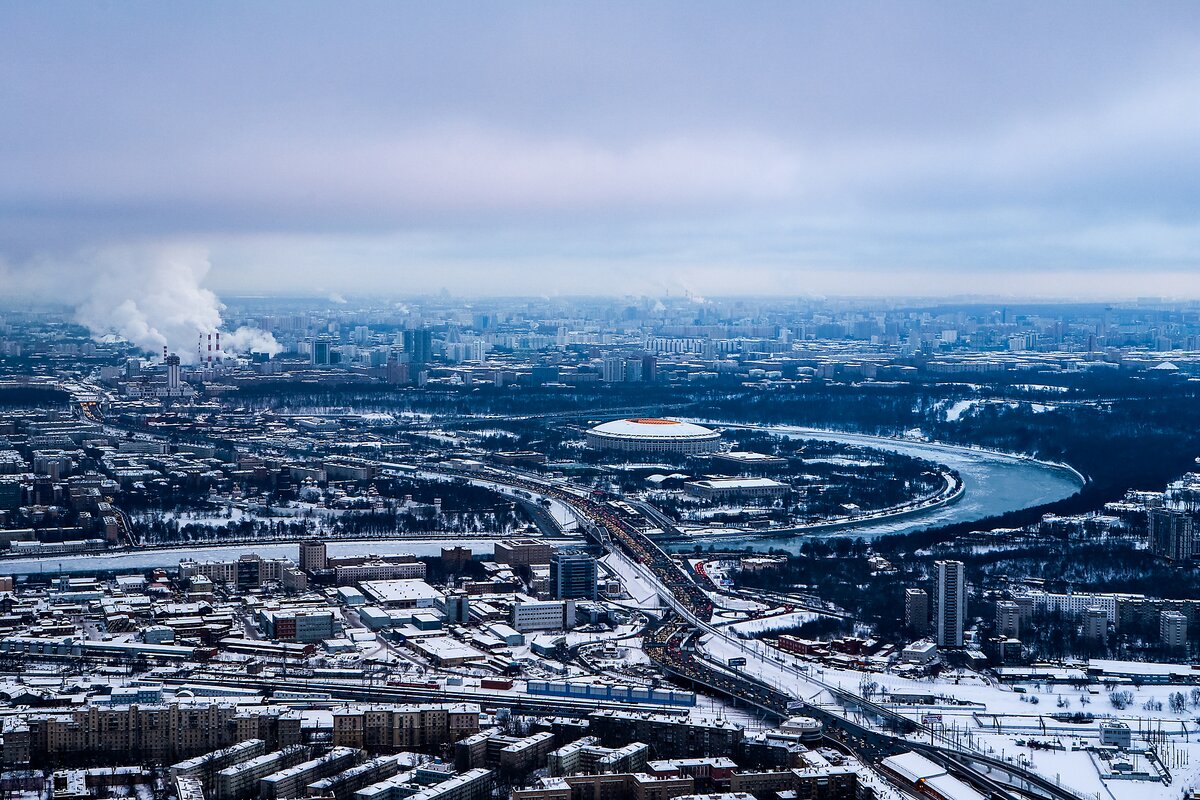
[(644, 594), (995, 718), (961, 408), (779, 622)]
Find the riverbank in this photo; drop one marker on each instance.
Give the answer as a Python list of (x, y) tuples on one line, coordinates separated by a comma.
[(169, 557), (994, 483), (952, 492)]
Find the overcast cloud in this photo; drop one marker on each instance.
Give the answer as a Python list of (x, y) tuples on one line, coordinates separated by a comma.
[(849, 148)]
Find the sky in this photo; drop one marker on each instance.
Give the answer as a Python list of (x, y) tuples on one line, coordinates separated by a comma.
[(849, 148)]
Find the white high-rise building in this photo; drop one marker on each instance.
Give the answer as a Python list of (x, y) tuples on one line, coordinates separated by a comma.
[(951, 602), (173, 381)]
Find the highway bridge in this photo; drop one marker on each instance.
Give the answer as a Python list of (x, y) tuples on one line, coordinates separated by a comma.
[(672, 648), (889, 730)]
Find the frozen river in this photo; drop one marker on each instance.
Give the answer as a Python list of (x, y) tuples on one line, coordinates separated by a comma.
[(171, 556), (993, 483)]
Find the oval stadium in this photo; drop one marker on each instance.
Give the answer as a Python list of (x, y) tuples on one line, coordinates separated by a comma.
[(653, 435)]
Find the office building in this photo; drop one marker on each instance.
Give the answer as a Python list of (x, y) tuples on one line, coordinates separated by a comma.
[(543, 615), (314, 555), (457, 608), (1116, 734), (572, 576), (523, 552), (322, 351), (418, 344)]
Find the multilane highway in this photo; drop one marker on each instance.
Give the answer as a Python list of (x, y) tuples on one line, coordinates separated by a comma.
[(671, 647)]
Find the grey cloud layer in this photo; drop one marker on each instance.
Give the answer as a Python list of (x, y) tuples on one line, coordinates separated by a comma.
[(393, 141)]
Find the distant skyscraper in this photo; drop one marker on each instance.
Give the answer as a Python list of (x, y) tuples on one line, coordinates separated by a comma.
[(951, 602), (573, 576), (396, 371), (321, 348), (1172, 534), (418, 343), (633, 370)]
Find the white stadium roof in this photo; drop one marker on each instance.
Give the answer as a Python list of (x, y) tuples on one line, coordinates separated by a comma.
[(653, 428)]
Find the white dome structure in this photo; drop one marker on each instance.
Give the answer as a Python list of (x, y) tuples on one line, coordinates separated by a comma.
[(653, 435)]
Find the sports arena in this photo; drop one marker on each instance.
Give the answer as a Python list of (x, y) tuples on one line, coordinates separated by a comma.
[(653, 435)]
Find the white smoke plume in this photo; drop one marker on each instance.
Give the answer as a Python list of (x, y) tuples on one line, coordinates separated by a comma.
[(252, 340), (150, 296)]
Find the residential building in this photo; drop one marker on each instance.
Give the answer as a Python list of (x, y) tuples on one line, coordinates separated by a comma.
[(916, 611), (1172, 534), (1008, 619), (951, 603), (1173, 630)]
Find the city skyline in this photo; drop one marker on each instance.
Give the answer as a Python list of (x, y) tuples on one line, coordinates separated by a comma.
[(611, 401)]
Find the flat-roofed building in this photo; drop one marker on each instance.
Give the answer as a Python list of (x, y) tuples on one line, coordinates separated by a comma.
[(717, 488), (241, 780), (293, 781), (916, 611), (408, 593), (523, 552)]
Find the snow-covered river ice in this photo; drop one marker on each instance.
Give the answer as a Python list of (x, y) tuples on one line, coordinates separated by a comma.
[(993, 483)]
